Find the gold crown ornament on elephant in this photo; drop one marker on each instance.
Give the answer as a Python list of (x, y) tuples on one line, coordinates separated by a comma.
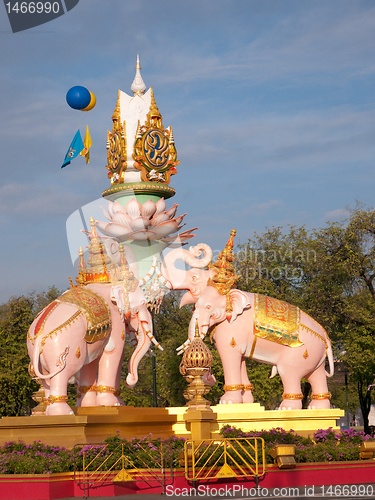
[(249, 325)]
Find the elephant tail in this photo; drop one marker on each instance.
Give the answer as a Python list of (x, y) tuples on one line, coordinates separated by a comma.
[(61, 361), (330, 359)]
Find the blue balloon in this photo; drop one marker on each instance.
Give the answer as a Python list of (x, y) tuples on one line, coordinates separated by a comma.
[(78, 97)]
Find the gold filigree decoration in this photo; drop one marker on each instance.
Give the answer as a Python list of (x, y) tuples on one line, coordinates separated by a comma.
[(117, 147), (155, 153), (42, 318), (78, 352), (56, 399), (105, 388), (59, 329), (306, 354), (322, 395), (293, 396), (95, 310), (249, 387), (233, 343), (276, 321), (316, 334), (123, 335), (238, 387)]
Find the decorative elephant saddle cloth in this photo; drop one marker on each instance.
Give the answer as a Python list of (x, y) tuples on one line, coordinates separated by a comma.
[(276, 321), (95, 310)]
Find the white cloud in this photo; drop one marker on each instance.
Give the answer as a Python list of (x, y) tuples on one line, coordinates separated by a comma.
[(339, 213)]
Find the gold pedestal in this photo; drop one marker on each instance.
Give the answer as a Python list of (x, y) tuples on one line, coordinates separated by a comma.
[(199, 422)]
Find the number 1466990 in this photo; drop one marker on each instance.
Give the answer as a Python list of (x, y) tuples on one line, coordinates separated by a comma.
[(345, 490), (33, 7)]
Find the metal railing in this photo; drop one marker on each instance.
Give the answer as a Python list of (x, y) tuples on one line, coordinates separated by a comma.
[(104, 463), (224, 458)]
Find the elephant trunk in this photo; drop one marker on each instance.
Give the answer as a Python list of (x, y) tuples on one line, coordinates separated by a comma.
[(142, 347), (177, 277)]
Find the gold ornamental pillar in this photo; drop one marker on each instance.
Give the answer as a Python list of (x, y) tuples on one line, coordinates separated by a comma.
[(196, 362)]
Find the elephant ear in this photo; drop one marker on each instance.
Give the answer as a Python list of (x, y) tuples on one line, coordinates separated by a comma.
[(240, 301), (118, 297)]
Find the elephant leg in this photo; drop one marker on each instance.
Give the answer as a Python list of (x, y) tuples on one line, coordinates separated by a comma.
[(87, 383), (109, 374), (318, 381), (247, 395), (291, 379), (59, 390), (232, 376)]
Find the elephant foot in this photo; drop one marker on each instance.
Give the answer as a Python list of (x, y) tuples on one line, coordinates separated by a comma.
[(291, 404), (88, 399), (231, 397), (108, 399), (319, 404), (59, 409), (247, 397)]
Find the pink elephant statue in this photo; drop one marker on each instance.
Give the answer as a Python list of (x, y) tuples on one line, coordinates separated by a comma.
[(80, 336), (247, 325)]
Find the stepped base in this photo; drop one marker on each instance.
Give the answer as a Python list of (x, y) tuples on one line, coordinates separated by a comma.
[(93, 425)]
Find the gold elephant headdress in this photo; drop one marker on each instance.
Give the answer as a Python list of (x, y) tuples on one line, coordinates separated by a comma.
[(225, 277), (101, 268)]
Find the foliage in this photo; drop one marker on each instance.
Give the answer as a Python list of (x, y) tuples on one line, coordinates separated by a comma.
[(326, 444), (16, 317), (38, 458)]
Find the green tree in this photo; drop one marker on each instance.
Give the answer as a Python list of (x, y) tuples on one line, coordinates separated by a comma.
[(16, 317)]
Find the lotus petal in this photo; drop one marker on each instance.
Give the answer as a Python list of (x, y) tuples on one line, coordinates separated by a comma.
[(160, 206), (139, 224), (142, 235), (159, 218), (179, 219), (121, 218), (116, 230), (148, 209), (106, 214), (172, 211), (116, 207), (133, 208), (110, 210), (165, 228), (102, 226)]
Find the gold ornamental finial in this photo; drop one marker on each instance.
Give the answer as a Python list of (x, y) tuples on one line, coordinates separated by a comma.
[(154, 110), (117, 113), (138, 86), (225, 277)]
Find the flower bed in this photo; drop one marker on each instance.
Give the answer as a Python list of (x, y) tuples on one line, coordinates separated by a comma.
[(38, 458), (325, 445)]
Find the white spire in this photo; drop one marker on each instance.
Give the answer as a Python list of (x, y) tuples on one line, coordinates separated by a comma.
[(138, 85)]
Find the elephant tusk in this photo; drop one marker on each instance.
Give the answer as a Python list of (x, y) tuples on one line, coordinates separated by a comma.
[(153, 340), (163, 281)]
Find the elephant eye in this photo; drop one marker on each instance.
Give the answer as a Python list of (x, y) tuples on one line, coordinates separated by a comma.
[(193, 278), (208, 307)]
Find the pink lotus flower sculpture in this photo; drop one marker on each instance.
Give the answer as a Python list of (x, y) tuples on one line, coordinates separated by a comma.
[(147, 221)]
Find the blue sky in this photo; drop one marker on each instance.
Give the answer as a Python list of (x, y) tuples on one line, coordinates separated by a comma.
[(271, 102)]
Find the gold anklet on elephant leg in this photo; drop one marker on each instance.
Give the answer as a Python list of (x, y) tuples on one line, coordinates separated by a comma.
[(56, 399), (249, 387), (84, 389), (322, 395), (237, 387), (293, 396), (105, 388)]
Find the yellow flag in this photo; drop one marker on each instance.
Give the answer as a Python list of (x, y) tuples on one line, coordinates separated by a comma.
[(87, 142)]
